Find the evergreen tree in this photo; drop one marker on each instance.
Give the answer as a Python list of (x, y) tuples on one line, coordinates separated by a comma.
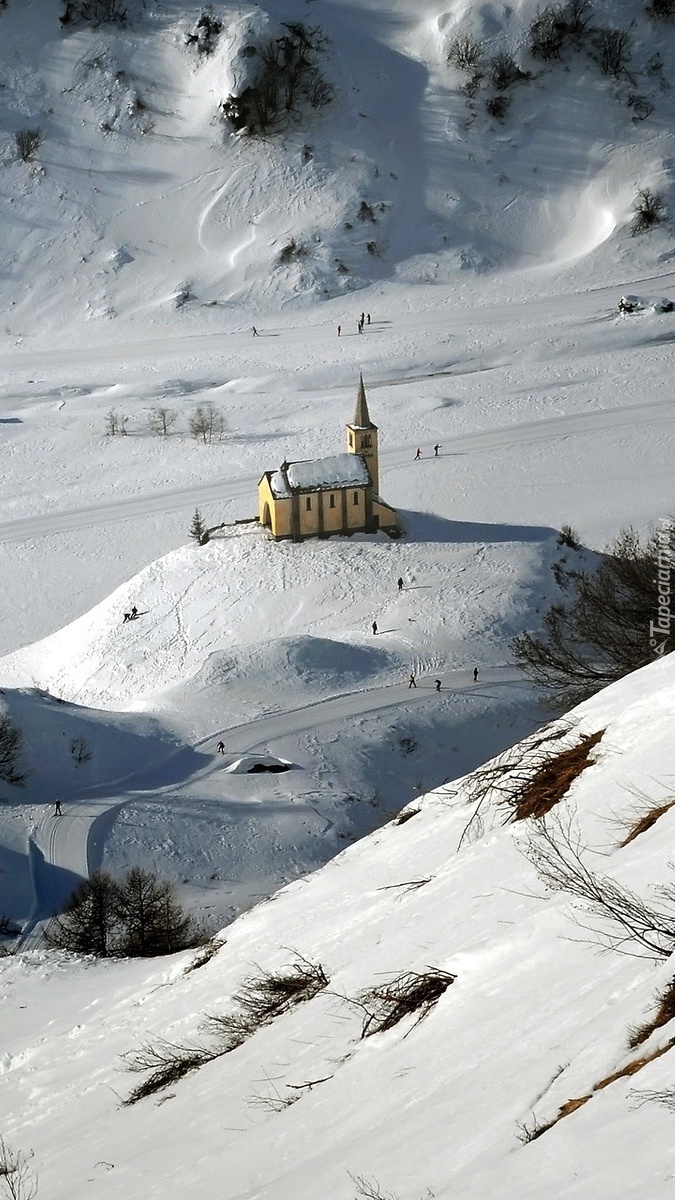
[(198, 530)]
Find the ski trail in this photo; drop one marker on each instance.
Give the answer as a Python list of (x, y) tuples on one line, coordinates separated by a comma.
[(60, 848)]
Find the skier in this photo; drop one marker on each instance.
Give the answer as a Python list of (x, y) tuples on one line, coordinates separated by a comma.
[(134, 612), (411, 682), (418, 454), (58, 811), (436, 449), (400, 583), (475, 674), (255, 332), (220, 747), (367, 318), (374, 626), (438, 685), (339, 330)]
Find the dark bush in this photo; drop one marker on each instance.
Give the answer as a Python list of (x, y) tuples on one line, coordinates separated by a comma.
[(548, 33), (11, 742), (649, 211), (27, 142), (413, 992), (137, 917), (287, 79), (94, 12), (504, 71), (498, 107), (206, 32), (465, 52)]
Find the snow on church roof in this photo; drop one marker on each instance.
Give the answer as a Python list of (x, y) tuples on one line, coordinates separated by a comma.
[(320, 474)]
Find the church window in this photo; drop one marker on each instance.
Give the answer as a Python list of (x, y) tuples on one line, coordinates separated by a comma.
[(367, 440), (331, 502), (356, 497), (308, 504)]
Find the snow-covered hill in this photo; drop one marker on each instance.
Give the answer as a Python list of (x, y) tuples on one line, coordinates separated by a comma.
[(536, 1017)]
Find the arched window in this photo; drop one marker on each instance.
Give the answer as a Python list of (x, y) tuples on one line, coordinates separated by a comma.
[(308, 504), (331, 502)]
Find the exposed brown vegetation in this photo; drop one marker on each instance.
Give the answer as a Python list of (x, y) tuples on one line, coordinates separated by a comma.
[(405, 815), (664, 1013), (646, 820), (411, 992), (553, 779), (530, 1133)]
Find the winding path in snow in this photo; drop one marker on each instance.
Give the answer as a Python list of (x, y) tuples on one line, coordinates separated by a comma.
[(60, 848), (546, 429)]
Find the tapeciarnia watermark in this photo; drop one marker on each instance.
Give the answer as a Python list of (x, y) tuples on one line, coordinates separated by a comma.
[(659, 629)]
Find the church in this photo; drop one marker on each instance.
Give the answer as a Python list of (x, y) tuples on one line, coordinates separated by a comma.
[(326, 496)]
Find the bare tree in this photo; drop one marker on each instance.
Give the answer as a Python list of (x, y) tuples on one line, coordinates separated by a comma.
[(87, 925), (27, 142), (622, 920), (162, 420), (465, 52), (649, 211), (11, 742), (207, 423), (17, 1181), (613, 48), (115, 424), (601, 629)]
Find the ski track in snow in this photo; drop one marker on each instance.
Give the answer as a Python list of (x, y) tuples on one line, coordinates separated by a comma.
[(64, 841)]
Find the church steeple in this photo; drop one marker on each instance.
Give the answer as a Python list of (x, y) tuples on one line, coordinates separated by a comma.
[(361, 415), (362, 436)]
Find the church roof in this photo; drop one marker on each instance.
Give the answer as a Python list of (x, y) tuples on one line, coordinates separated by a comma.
[(361, 415), (320, 475)]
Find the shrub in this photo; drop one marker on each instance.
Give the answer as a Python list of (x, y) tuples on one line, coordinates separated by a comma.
[(497, 107), (607, 626), (11, 743), (291, 251), (568, 537), (168, 1064), (548, 33), (27, 142), (287, 77), (95, 12), (578, 14), (80, 750), (641, 105), (504, 71), (665, 1011), (263, 997), (649, 211), (465, 52), (412, 992), (206, 32), (553, 778), (16, 1178), (661, 10), (613, 47)]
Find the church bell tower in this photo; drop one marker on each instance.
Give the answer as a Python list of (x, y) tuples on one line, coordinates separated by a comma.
[(362, 436)]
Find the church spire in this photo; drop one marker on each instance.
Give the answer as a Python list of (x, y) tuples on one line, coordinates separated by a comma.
[(361, 416)]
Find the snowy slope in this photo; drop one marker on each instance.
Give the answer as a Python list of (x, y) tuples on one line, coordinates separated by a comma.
[(536, 1017)]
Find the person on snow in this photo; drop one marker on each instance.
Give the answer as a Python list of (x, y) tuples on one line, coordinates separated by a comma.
[(255, 332), (374, 626), (400, 584), (220, 747), (475, 674), (418, 454), (134, 611), (411, 682), (438, 685), (436, 449), (58, 811)]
